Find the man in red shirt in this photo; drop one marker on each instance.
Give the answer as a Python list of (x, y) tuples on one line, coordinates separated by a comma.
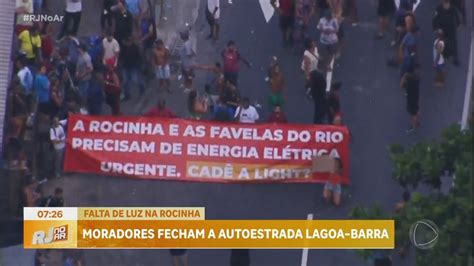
[(232, 58), (286, 9), (160, 110)]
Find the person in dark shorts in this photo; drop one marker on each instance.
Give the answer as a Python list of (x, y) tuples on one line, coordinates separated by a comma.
[(385, 9), (411, 84), (287, 17), (180, 257)]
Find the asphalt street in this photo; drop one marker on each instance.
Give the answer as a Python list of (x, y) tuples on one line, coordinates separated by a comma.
[(373, 107)]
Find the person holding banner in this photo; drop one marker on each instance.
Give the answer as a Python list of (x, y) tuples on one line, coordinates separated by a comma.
[(246, 113), (332, 192)]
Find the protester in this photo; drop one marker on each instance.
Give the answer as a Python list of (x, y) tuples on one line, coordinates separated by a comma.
[(17, 111), (161, 59), (57, 99), (111, 49), (304, 10), (447, 19), (23, 8), (147, 38), (215, 83), (277, 116), (83, 71), (405, 8), (26, 81), (42, 91), (385, 10), (222, 112), (187, 57), (72, 18), (107, 17), (57, 200), (180, 257), (123, 23), (232, 58), (411, 84), (460, 6), (197, 106), (240, 257), (246, 113), (213, 12), (277, 84), (408, 49), (334, 103), (286, 10), (329, 27), (349, 10), (58, 138), (130, 62), (133, 6), (94, 97), (438, 59), (318, 94), (112, 90), (47, 46), (230, 96), (30, 44), (332, 192), (310, 61), (160, 110)]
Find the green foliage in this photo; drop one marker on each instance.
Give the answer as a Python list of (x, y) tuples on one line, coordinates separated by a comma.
[(362, 213), (425, 163)]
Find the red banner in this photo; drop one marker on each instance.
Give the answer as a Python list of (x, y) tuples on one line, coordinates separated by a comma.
[(188, 150)]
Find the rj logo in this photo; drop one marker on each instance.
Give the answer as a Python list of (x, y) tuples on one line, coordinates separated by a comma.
[(54, 234)]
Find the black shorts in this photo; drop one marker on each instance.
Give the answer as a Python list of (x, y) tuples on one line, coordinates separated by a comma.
[(386, 8), (286, 22)]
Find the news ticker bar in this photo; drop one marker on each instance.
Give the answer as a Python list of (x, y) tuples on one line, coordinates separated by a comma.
[(184, 227)]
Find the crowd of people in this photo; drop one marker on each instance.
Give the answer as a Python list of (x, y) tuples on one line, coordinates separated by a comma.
[(59, 73)]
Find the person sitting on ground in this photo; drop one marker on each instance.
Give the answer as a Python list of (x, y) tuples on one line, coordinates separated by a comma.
[(332, 192), (197, 106), (160, 110), (277, 116), (246, 113)]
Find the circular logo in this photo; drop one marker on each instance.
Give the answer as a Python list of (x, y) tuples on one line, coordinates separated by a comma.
[(424, 234)]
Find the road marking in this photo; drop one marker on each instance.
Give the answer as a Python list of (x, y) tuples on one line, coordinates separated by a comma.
[(267, 9), (329, 76), (304, 256)]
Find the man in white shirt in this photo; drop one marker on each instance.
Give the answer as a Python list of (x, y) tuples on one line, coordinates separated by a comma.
[(111, 49), (246, 113), (213, 13), (58, 138), (72, 15)]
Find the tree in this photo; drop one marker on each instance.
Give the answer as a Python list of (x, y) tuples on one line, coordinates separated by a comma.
[(426, 163)]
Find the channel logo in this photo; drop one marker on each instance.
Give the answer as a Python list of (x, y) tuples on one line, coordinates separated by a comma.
[(55, 234)]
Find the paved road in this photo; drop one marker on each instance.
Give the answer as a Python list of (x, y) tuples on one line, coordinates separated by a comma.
[(374, 110)]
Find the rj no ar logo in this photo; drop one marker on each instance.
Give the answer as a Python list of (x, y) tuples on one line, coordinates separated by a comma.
[(54, 234)]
